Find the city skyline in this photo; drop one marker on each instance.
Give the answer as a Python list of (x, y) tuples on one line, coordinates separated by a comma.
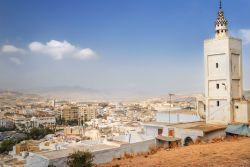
[(142, 47)]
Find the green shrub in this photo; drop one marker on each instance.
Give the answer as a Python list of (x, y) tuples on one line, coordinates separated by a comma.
[(39, 133), (80, 159), (7, 145)]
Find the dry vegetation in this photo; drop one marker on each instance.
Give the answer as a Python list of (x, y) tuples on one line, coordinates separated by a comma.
[(227, 152)]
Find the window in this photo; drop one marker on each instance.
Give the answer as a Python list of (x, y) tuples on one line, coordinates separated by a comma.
[(171, 133), (218, 86), (217, 65), (237, 107), (234, 69), (218, 103), (160, 131)]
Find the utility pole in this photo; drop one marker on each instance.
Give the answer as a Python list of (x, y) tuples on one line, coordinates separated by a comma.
[(170, 102)]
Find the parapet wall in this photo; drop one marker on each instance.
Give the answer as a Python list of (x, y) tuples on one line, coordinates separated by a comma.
[(101, 156), (105, 156)]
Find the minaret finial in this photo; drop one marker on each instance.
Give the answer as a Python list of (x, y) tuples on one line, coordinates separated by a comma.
[(221, 23)]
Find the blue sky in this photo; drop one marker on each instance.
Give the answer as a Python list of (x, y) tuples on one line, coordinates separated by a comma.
[(147, 47)]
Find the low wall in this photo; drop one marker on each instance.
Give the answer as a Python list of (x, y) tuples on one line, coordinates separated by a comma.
[(105, 156), (102, 156), (214, 135)]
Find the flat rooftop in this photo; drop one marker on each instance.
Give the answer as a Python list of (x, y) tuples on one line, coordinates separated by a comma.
[(154, 123), (181, 111), (199, 125), (65, 152)]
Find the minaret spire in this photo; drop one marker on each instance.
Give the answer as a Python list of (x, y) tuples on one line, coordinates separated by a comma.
[(221, 23)]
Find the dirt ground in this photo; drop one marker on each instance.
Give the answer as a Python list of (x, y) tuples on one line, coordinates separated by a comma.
[(234, 152)]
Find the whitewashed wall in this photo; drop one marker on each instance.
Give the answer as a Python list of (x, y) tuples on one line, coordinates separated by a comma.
[(176, 117), (103, 156)]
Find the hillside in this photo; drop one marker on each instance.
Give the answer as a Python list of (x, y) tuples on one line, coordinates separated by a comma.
[(233, 152)]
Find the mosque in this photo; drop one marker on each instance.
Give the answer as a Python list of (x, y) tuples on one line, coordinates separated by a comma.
[(225, 102), (226, 109)]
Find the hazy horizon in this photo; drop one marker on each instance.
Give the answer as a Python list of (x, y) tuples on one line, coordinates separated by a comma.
[(144, 48)]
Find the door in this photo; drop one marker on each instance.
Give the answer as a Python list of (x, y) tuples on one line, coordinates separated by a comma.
[(171, 133)]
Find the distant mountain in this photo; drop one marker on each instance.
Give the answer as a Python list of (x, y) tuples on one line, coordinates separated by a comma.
[(79, 93), (10, 93), (10, 97), (66, 89), (87, 94), (65, 92)]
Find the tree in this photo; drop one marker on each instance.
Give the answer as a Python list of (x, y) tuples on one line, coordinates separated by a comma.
[(3, 129), (80, 159), (39, 133), (73, 122), (7, 145), (60, 121)]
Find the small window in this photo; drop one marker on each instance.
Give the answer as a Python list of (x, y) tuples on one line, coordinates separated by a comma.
[(237, 107), (171, 133), (218, 103), (217, 65), (218, 31), (160, 131), (218, 86)]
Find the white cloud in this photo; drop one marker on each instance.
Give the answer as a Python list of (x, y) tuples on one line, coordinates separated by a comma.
[(245, 35), (12, 49), (60, 49), (86, 54), (55, 49), (16, 60)]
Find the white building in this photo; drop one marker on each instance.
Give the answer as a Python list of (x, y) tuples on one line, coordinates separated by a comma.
[(178, 116), (223, 75), (36, 121), (6, 123), (88, 112), (224, 94)]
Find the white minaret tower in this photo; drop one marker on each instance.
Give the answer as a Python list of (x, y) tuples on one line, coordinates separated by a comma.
[(223, 73)]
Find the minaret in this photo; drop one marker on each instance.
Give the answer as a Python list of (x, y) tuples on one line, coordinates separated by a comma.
[(221, 23), (223, 73)]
